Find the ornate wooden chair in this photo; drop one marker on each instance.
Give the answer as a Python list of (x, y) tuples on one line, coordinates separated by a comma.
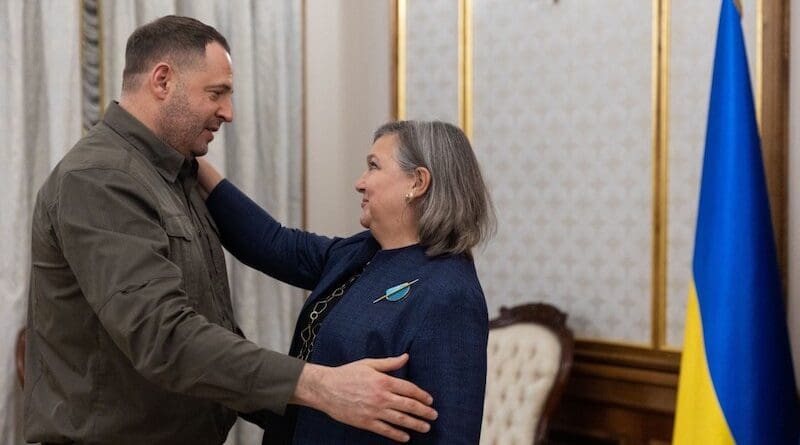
[(529, 359)]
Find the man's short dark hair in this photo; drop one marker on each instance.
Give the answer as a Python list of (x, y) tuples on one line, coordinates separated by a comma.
[(172, 37)]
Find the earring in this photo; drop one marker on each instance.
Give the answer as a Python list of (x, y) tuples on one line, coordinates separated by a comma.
[(409, 196)]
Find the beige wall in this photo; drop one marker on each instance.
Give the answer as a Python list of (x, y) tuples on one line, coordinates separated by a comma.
[(348, 84)]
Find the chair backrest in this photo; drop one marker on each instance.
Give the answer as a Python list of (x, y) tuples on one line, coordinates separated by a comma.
[(529, 358)]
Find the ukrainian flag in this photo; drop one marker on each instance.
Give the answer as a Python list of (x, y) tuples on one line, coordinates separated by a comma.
[(736, 383)]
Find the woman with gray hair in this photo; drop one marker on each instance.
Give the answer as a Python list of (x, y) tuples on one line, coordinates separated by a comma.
[(406, 285)]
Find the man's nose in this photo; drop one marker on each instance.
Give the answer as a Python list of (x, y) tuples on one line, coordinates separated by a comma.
[(225, 111)]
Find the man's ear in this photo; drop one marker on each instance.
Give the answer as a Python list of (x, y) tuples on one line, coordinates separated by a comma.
[(160, 80), (422, 180)]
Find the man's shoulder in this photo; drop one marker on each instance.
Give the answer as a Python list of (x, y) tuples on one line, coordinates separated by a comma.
[(101, 148), (100, 153)]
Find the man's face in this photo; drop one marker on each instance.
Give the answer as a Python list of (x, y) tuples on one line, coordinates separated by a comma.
[(199, 103)]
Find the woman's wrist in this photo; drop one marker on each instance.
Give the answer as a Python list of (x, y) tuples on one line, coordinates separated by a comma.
[(207, 176)]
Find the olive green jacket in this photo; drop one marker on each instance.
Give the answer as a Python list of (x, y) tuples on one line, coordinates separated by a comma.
[(131, 335)]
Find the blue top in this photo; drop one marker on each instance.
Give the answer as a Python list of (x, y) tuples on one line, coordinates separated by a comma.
[(442, 323)]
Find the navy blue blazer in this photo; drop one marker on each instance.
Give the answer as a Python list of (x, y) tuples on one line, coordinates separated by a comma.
[(442, 323)]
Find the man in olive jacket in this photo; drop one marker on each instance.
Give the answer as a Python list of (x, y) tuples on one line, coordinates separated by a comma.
[(131, 336)]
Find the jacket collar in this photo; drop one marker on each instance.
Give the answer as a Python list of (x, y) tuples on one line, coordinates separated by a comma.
[(166, 160)]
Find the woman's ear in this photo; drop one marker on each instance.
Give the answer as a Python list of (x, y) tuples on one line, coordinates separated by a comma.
[(422, 180)]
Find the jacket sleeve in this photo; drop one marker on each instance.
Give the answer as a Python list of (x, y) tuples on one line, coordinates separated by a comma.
[(119, 252), (258, 240), (448, 359)]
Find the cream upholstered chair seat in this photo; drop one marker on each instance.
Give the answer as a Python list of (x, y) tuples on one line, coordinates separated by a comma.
[(529, 357)]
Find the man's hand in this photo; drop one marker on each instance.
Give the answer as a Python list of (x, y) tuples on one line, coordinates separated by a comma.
[(361, 395)]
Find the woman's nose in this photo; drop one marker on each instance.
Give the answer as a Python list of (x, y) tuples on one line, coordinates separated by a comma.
[(360, 184)]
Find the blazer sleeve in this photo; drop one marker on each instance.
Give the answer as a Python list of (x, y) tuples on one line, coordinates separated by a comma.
[(448, 359), (255, 238)]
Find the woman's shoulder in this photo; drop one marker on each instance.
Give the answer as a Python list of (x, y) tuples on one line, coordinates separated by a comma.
[(352, 242), (453, 277), (453, 266), (343, 249), (453, 298)]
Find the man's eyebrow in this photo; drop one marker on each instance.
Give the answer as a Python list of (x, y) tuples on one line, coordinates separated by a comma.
[(221, 86)]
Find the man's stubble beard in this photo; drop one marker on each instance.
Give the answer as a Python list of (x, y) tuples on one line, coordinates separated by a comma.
[(179, 127)]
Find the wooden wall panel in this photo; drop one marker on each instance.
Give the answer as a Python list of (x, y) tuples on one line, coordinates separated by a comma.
[(618, 395)]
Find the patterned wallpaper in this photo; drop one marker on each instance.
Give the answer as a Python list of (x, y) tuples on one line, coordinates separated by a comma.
[(562, 119), (432, 60), (563, 130)]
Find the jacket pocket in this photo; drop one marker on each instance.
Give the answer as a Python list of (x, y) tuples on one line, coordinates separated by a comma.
[(185, 254), (179, 226)]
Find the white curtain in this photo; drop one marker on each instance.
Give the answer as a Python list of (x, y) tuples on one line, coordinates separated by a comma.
[(40, 104), (261, 151)]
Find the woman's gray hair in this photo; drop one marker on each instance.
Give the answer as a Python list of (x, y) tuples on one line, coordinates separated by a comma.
[(456, 213)]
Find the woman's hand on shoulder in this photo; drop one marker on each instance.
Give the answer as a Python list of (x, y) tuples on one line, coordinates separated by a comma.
[(207, 176)]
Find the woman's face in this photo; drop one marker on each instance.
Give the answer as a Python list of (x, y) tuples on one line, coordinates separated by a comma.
[(384, 187)]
